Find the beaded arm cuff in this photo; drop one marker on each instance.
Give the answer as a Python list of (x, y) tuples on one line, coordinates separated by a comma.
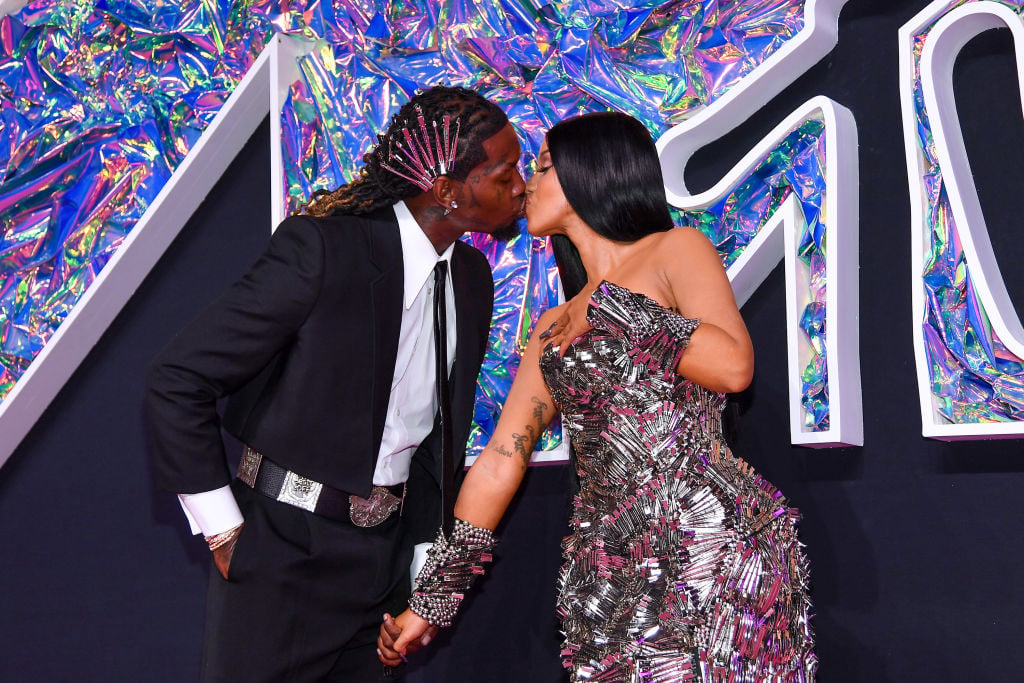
[(452, 565)]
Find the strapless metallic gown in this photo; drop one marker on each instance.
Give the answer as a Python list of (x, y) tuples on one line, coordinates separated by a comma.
[(682, 563)]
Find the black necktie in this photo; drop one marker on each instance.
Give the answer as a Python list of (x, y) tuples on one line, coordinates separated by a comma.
[(443, 401)]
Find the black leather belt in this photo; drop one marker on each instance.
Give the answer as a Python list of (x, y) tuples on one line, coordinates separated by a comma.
[(272, 480)]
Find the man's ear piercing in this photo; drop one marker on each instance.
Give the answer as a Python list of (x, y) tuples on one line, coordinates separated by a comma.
[(451, 207)]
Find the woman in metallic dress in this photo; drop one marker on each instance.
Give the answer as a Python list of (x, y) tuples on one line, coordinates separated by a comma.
[(682, 563)]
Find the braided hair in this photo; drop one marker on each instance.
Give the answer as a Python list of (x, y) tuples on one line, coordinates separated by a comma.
[(377, 187)]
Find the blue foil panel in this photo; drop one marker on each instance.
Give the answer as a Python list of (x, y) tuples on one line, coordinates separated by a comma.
[(974, 377)]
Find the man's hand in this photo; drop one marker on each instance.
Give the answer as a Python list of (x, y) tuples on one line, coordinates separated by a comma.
[(571, 325), (223, 553), (402, 636)]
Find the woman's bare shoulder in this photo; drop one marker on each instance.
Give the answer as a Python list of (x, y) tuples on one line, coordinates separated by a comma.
[(684, 238), (686, 248)]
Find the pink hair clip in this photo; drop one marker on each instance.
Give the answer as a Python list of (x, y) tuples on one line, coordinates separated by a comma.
[(413, 155)]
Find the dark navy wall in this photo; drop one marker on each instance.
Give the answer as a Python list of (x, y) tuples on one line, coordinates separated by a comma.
[(915, 544)]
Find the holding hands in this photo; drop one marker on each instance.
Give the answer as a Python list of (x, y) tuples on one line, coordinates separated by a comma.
[(402, 636)]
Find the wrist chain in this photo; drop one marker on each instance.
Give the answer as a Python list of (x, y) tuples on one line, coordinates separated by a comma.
[(217, 540)]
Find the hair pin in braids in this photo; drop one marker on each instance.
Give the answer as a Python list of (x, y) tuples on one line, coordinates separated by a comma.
[(462, 118), (421, 159)]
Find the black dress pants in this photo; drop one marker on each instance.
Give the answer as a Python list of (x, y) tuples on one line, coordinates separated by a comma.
[(304, 597)]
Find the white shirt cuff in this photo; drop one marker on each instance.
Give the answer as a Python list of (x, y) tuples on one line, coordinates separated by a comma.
[(211, 512), (419, 558)]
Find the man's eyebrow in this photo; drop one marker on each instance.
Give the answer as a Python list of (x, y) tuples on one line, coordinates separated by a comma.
[(498, 164)]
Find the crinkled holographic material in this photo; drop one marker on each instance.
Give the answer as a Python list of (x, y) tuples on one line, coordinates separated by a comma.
[(681, 562), (99, 102), (796, 166), (659, 61), (974, 377)]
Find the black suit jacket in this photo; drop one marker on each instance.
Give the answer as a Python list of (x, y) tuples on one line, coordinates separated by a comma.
[(305, 345)]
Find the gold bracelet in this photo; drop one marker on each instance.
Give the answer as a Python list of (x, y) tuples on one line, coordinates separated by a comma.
[(217, 540)]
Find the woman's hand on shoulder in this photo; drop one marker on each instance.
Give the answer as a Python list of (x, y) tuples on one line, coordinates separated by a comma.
[(569, 323)]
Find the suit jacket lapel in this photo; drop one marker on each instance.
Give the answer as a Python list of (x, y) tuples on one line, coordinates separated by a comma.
[(386, 253)]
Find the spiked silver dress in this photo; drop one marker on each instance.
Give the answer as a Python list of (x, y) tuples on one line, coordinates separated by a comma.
[(682, 563)]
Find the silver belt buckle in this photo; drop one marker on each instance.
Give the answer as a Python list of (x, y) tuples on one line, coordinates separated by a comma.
[(367, 512), (249, 466), (300, 491)]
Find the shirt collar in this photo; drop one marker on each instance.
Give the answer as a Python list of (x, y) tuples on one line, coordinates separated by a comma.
[(418, 254)]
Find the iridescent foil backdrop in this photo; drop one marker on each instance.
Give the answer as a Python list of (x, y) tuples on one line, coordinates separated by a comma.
[(974, 377), (101, 101), (660, 62)]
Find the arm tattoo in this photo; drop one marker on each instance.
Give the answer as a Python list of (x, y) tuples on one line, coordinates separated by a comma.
[(521, 442), (520, 446), (539, 407), (531, 431)]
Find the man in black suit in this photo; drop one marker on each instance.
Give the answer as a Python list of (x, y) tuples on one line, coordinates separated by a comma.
[(326, 348)]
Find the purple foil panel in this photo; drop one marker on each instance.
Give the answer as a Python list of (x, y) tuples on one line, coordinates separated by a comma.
[(974, 377), (659, 61), (99, 103)]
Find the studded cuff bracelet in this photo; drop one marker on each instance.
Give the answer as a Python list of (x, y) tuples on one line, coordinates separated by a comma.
[(451, 567)]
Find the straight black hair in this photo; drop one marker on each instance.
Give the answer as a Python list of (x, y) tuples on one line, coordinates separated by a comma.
[(609, 171)]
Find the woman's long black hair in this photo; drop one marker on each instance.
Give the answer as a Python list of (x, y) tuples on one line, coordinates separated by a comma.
[(377, 187), (609, 171)]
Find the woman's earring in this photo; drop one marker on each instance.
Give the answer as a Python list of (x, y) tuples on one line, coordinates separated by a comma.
[(451, 207)]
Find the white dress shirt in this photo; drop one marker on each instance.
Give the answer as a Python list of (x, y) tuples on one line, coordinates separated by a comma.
[(413, 400)]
